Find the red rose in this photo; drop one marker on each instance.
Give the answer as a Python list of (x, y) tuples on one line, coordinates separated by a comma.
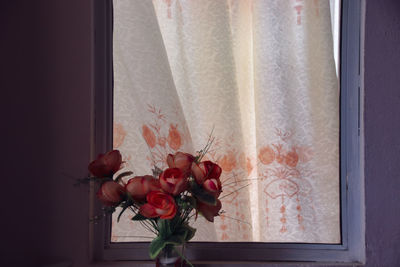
[(158, 204), (110, 193), (106, 164), (140, 186), (173, 181), (213, 186), (205, 170), (209, 211), (182, 161)]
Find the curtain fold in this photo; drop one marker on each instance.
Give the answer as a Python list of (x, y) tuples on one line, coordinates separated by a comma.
[(262, 75), (148, 119)]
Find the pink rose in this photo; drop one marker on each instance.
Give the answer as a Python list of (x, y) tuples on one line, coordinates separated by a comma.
[(140, 186), (213, 187), (173, 181), (111, 193), (180, 160), (205, 170), (106, 164), (159, 204)]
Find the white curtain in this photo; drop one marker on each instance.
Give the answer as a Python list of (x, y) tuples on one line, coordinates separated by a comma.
[(261, 73)]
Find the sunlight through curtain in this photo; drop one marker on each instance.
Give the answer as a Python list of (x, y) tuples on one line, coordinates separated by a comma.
[(261, 73)]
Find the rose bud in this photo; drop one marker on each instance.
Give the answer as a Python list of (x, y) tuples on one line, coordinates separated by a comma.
[(139, 186), (209, 211), (110, 193), (106, 164), (173, 181), (205, 170), (180, 160), (159, 204), (213, 186)]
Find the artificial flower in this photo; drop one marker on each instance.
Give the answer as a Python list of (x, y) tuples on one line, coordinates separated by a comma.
[(111, 193), (106, 164), (159, 204), (173, 181), (140, 186)]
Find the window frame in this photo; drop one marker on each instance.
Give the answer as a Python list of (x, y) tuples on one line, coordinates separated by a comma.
[(350, 250)]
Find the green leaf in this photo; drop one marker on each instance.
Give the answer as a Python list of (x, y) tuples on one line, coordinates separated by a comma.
[(122, 211), (175, 240), (156, 246), (184, 232), (159, 243), (138, 217), (202, 195), (156, 171), (181, 232), (164, 228), (190, 232), (186, 202), (192, 202)]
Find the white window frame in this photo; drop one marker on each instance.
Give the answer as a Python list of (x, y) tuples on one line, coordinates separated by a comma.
[(352, 248)]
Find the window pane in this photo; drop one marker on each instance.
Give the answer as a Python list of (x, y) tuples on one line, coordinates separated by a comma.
[(262, 75)]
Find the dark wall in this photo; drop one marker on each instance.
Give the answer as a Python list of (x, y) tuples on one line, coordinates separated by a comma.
[(382, 132), (46, 54), (46, 79)]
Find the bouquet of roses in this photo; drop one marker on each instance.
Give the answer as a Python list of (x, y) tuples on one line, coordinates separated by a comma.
[(163, 202)]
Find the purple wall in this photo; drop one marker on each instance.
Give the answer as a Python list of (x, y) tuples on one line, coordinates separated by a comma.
[(46, 53), (382, 132), (46, 59)]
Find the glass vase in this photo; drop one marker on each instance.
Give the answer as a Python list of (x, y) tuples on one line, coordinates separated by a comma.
[(169, 256)]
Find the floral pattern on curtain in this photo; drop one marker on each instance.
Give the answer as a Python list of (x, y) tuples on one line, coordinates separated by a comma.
[(261, 75)]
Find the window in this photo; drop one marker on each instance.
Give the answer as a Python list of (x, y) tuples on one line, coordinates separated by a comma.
[(349, 248)]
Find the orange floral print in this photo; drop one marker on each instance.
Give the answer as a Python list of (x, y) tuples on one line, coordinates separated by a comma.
[(174, 139), (266, 155), (228, 162), (280, 154), (242, 160), (224, 236), (119, 135), (149, 136), (305, 153), (285, 178), (292, 158), (163, 137), (245, 163), (162, 141), (249, 166)]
